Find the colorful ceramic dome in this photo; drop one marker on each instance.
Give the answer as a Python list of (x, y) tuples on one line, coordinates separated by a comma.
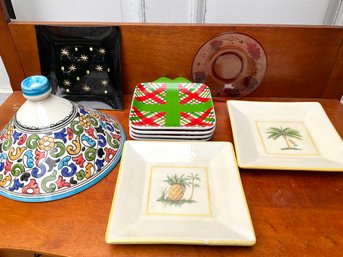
[(53, 148)]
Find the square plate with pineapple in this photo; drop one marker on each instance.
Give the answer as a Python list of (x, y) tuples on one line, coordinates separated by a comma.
[(171, 192), (284, 136)]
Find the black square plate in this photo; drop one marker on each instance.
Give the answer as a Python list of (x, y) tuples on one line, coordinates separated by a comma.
[(82, 63)]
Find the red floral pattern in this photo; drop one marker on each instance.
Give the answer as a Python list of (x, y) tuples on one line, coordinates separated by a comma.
[(254, 51)]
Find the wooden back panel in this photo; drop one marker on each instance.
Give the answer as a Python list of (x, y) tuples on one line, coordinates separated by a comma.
[(303, 61), (8, 52)]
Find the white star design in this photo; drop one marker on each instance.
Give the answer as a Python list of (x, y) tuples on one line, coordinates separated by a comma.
[(86, 88), (66, 83), (102, 51), (72, 67), (64, 52), (98, 68), (104, 82), (84, 57)]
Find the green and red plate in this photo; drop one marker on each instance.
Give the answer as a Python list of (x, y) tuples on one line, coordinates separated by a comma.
[(167, 105)]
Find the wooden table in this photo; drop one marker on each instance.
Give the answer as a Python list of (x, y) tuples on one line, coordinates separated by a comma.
[(294, 213)]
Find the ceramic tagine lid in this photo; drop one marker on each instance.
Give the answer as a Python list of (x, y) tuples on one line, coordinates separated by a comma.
[(53, 148)]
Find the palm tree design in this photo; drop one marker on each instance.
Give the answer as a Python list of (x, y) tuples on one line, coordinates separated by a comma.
[(287, 134), (192, 181)]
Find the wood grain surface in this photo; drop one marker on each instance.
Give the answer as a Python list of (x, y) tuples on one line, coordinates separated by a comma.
[(8, 52), (303, 61), (294, 213)]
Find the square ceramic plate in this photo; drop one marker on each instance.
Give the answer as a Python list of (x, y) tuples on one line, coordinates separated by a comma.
[(285, 135), (163, 106), (169, 137), (172, 132), (179, 193), (82, 63)]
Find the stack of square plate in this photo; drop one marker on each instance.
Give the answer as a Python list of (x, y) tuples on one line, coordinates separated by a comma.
[(172, 109)]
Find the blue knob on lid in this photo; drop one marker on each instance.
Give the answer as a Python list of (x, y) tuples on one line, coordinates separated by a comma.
[(35, 85)]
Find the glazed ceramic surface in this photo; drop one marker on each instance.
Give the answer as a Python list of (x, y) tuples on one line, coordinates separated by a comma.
[(183, 192), (53, 148), (185, 106), (169, 137), (172, 132), (232, 64), (82, 63), (281, 135)]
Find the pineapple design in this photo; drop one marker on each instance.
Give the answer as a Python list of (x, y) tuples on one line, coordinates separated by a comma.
[(174, 194), (177, 187)]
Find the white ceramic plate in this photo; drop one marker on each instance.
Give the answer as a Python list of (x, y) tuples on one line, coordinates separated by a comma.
[(209, 209), (285, 135), (173, 132)]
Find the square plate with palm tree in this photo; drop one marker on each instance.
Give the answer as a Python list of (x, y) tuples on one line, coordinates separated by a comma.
[(285, 136), (179, 193)]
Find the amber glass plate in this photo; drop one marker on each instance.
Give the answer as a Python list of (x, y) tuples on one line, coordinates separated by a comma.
[(231, 64)]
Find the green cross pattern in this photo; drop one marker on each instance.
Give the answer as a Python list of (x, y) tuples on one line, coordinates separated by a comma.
[(172, 107)]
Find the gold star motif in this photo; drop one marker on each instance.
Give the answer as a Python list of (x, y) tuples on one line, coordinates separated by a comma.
[(84, 57), (72, 67), (102, 51), (98, 68), (86, 88), (104, 82), (66, 83), (64, 52)]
